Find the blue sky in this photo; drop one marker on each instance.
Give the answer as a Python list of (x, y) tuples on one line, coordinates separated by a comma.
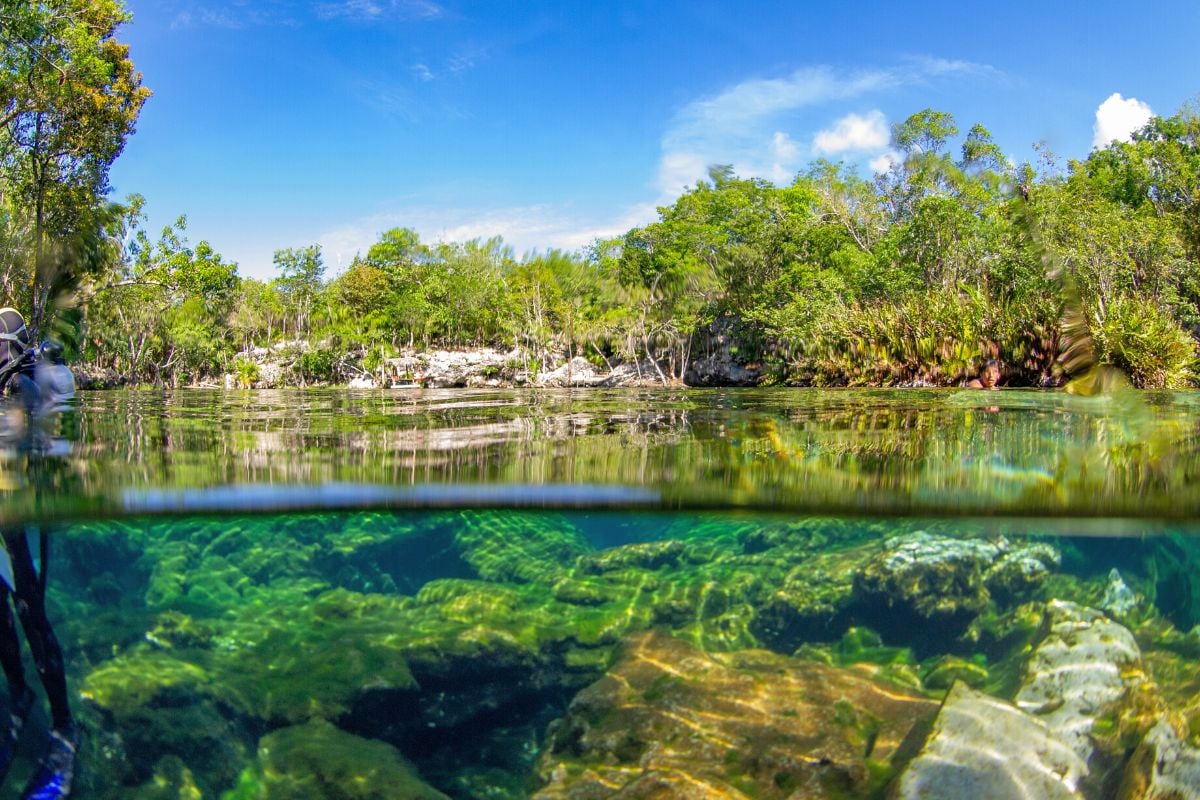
[(279, 123)]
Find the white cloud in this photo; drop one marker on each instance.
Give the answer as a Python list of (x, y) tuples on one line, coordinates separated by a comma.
[(853, 132), (784, 153), (728, 128), (677, 170), (524, 228), (372, 10), (421, 72), (1117, 118), (939, 67), (884, 161), (782, 147)]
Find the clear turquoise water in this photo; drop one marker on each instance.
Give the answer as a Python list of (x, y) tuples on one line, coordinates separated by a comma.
[(335, 594)]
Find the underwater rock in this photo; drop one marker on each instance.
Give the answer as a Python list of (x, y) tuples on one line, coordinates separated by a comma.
[(1020, 569), (667, 720), (939, 583), (1164, 767), (172, 780), (316, 761), (813, 602), (131, 681), (1083, 667), (514, 546), (173, 630), (1119, 600), (1084, 673), (288, 663), (156, 711), (987, 749), (645, 555)]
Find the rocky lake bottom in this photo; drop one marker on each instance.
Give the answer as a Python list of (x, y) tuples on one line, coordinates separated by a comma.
[(480, 654)]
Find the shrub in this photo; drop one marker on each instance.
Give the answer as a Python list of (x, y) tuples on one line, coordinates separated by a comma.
[(247, 372), (1139, 337), (315, 366)]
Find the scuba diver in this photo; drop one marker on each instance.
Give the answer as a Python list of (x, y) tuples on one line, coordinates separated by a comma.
[(42, 384)]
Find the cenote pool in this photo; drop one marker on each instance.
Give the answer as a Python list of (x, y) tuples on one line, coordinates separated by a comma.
[(622, 594)]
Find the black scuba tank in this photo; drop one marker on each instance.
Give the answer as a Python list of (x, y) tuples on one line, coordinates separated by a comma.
[(14, 343)]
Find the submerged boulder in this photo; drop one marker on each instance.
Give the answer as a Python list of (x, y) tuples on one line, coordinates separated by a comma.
[(1083, 684), (938, 584), (316, 761), (813, 602), (1164, 767), (670, 721), (986, 749), (1083, 667)]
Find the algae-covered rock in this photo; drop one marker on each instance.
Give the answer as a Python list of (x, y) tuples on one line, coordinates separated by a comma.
[(986, 749), (1084, 666), (669, 721), (1118, 600), (132, 681), (516, 546), (316, 761), (172, 780), (174, 630), (1020, 569), (1164, 767), (293, 663), (944, 671), (157, 713), (646, 555), (935, 585), (813, 602)]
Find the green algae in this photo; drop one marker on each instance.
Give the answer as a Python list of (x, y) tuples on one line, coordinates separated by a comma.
[(945, 670), (316, 761), (129, 682)]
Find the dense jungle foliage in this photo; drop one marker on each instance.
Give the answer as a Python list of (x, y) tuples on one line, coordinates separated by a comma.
[(921, 274)]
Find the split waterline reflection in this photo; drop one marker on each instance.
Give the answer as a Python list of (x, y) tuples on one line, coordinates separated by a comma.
[(672, 593), (1021, 453)]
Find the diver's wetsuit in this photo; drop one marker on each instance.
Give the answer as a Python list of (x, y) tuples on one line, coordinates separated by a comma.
[(21, 369)]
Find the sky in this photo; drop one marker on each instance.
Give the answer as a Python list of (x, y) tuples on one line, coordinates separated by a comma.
[(283, 123)]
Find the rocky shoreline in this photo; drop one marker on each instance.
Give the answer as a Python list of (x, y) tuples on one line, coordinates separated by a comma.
[(721, 359)]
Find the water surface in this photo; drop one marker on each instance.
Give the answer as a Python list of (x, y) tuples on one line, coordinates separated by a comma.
[(937, 452)]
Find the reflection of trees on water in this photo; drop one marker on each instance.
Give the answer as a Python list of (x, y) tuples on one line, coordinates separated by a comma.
[(841, 450)]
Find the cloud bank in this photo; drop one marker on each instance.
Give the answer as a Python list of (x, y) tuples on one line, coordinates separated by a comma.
[(524, 228), (746, 125)]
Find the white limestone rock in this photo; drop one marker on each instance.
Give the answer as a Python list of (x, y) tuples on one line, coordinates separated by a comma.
[(983, 748), (1085, 664)]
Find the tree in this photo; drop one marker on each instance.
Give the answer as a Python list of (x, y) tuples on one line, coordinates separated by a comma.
[(301, 272), (69, 99), (925, 132), (163, 313)]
